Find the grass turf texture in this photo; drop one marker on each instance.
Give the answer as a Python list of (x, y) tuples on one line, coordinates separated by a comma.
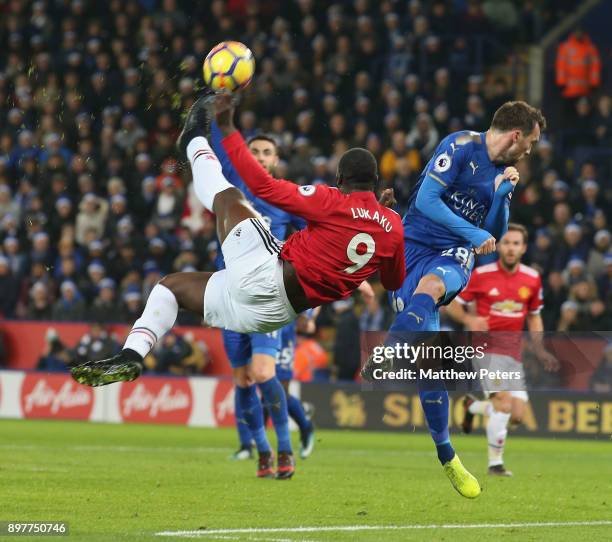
[(127, 482)]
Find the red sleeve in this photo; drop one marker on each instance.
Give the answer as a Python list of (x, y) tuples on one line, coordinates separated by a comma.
[(537, 299), (393, 270), (310, 202)]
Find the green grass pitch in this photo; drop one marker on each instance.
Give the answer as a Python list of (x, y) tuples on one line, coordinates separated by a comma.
[(128, 482)]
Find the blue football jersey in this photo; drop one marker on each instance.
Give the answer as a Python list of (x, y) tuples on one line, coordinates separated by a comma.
[(278, 220), (462, 176)]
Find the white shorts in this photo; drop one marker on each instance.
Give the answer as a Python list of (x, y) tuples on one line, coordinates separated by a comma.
[(500, 362), (248, 296)]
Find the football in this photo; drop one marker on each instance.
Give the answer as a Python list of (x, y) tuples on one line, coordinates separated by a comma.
[(229, 66)]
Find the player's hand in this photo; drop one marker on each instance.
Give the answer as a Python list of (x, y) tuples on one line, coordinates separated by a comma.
[(366, 291), (476, 323), (550, 362), (512, 174), (387, 198), (488, 247), (224, 112)]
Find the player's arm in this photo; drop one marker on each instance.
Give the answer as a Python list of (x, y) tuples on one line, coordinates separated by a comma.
[(459, 311), (309, 202), (496, 222), (439, 175), (229, 172), (535, 325), (393, 270)]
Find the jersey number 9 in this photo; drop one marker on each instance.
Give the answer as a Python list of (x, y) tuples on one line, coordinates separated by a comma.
[(359, 260)]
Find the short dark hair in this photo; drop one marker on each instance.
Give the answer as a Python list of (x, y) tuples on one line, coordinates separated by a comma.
[(358, 168), (263, 137), (513, 226), (518, 116)]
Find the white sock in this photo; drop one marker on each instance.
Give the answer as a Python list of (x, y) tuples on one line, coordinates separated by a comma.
[(158, 317), (497, 430), (480, 407), (208, 179)]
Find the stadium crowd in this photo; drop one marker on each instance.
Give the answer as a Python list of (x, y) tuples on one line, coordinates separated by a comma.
[(95, 208)]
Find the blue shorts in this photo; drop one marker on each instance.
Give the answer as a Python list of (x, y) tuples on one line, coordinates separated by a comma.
[(453, 265), (284, 362), (240, 347)]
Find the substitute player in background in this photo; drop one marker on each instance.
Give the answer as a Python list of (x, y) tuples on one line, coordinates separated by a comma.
[(503, 296), (460, 205)]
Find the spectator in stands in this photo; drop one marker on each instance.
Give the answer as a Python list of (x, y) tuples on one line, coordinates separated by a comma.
[(96, 344), (603, 121), (39, 307), (602, 243), (92, 216), (104, 308), (132, 304), (604, 283), (171, 356), (70, 307), (601, 379), (399, 151), (9, 289), (56, 356)]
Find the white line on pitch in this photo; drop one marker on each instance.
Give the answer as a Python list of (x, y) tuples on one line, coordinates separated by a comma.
[(354, 528)]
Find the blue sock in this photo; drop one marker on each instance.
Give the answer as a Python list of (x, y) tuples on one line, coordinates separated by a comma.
[(416, 316), (435, 406), (250, 406), (296, 411), (274, 399), (244, 433)]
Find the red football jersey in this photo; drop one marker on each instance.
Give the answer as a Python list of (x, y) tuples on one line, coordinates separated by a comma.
[(349, 236), (504, 299)]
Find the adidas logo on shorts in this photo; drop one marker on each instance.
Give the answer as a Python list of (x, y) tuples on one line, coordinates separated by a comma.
[(238, 232)]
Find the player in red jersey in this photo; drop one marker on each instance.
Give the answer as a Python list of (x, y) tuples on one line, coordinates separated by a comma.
[(505, 295), (350, 236)]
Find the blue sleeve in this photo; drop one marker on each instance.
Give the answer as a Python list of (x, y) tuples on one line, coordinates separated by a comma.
[(496, 222), (297, 222), (429, 202), (226, 164)]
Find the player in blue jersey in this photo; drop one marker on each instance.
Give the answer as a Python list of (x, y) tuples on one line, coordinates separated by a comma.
[(253, 356), (459, 206)]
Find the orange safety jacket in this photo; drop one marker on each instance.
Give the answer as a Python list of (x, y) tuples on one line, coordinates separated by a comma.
[(578, 66)]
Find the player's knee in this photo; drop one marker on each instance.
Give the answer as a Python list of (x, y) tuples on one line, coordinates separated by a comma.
[(173, 282), (242, 377), (516, 415), (502, 402), (431, 285), (263, 371)]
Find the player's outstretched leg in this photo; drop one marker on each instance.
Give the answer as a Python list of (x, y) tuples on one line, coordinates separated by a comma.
[(179, 290), (210, 186)]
